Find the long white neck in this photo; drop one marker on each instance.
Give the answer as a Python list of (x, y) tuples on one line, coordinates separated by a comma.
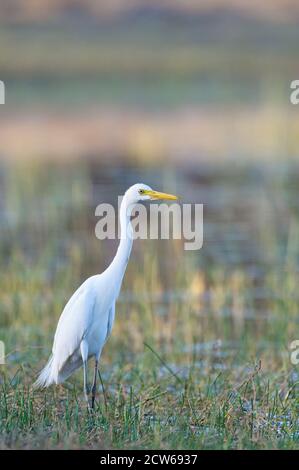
[(120, 261)]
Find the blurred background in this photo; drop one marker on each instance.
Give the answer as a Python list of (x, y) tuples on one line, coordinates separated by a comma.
[(129, 80), (190, 97)]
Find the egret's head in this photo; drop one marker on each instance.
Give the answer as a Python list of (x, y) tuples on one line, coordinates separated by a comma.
[(142, 192)]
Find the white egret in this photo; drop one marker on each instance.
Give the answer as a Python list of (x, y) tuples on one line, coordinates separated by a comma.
[(87, 319)]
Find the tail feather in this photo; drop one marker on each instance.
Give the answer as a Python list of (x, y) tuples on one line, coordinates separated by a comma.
[(45, 377)]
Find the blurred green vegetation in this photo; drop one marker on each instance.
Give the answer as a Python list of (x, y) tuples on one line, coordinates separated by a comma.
[(196, 104), (141, 61), (218, 322)]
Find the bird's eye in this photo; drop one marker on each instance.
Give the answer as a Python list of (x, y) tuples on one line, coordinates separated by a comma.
[(141, 191)]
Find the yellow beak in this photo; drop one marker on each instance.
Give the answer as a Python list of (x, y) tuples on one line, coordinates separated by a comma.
[(158, 195)]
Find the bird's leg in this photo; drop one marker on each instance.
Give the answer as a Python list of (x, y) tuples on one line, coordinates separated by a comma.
[(104, 392), (94, 385), (85, 382), (84, 354)]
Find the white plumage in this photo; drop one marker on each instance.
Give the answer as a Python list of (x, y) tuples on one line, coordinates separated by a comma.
[(87, 319)]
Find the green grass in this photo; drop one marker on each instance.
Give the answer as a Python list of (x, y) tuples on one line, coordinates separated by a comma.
[(224, 410), (198, 356)]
